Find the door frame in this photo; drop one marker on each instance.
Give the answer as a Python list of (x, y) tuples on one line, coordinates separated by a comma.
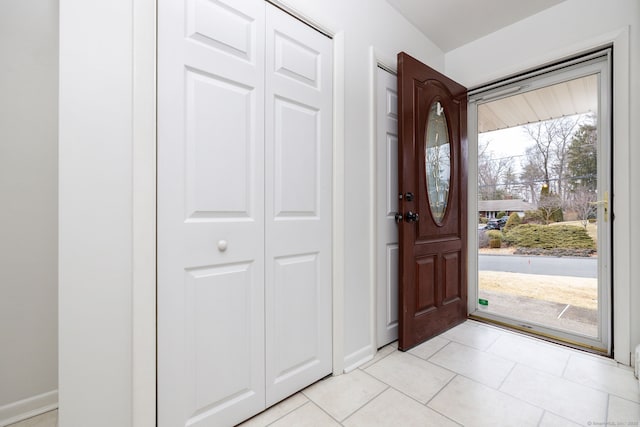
[(620, 155), (144, 280), (599, 63), (377, 58)]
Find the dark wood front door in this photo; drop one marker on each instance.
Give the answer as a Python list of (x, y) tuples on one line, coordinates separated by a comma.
[(432, 168)]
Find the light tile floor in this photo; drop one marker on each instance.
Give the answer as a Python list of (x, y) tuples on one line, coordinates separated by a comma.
[(472, 375)]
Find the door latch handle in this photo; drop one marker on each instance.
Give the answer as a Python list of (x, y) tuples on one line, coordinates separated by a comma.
[(398, 217), (412, 217), (605, 204)]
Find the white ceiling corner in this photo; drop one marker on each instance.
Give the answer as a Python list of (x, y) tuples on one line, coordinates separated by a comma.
[(453, 23)]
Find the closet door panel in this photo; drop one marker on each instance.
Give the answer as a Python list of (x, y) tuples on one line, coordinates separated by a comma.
[(210, 212), (298, 205)]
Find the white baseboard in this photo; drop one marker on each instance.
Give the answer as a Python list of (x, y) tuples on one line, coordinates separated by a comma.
[(27, 408), (359, 357)]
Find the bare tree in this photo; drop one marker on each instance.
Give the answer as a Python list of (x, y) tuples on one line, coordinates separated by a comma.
[(493, 173), (550, 205), (583, 203), (540, 135), (551, 140)]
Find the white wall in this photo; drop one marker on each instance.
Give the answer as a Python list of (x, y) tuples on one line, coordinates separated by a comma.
[(364, 23), (96, 214), (28, 200), (561, 31)]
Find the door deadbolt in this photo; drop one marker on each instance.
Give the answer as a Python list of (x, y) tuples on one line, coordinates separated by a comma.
[(412, 217)]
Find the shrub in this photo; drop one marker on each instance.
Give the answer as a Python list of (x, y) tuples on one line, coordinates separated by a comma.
[(494, 235), (533, 217), (558, 215), (550, 237), (514, 220), (500, 214), (495, 243)]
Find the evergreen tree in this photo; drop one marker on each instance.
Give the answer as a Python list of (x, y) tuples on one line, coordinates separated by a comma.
[(583, 156)]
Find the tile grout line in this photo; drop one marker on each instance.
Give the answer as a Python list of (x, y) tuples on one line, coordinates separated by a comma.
[(426, 404), (428, 359), (368, 402), (498, 389), (540, 372), (507, 394), (507, 376), (284, 415), (323, 410), (595, 388)]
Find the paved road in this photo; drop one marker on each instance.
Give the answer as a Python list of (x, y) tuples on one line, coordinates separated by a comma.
[(551, 266)]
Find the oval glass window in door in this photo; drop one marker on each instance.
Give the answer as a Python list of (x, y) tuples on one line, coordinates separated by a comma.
[(437, 161)]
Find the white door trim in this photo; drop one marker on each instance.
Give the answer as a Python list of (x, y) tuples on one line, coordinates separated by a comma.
[(338, 201), (143, 292), (621, 203)]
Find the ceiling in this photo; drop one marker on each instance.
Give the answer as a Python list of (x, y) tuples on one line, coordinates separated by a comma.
[(453, 23), (577, 96)]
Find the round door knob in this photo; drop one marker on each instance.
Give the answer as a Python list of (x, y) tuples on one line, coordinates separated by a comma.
[(222, 245)]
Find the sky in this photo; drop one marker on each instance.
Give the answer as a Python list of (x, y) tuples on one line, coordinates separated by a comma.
[(506, 143), (511, 142)]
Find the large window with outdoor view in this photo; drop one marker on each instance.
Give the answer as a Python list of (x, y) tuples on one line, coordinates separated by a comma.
[(542, 187)]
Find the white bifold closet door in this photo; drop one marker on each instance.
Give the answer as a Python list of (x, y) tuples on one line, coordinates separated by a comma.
[(298, 190), (244, 209)]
